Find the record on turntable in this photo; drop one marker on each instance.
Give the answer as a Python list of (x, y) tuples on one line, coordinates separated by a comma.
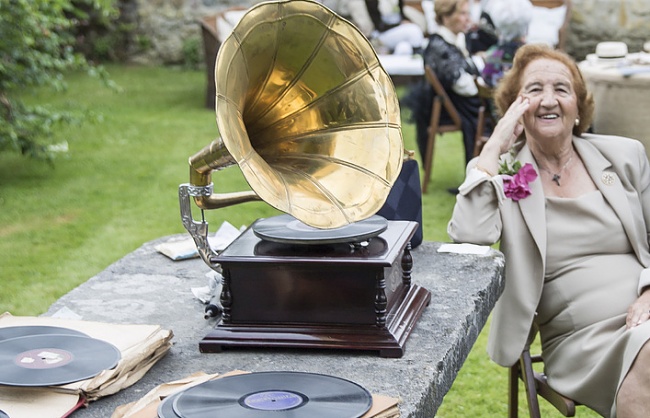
[(54, 359), (27, 330), (286, 229), (267, 394)]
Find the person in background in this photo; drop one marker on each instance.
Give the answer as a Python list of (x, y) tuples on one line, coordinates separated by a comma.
[(387, 27), (449, 59), (571, 213), (511, 19), (482, 33)]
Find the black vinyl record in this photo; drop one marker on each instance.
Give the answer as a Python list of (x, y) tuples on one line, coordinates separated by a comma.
[(273, 394), (27, 330), (166, 407), (45, 360), (286, 229)]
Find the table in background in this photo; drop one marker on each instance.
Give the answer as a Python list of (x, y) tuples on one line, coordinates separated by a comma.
[(403, 69), (145, 287), (622, 100)]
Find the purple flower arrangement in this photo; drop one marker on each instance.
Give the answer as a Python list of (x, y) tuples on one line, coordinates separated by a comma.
[(516, 186)]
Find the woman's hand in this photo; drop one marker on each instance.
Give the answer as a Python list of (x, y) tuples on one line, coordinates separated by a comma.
[(509, 126), (639, 311), (504, 135)]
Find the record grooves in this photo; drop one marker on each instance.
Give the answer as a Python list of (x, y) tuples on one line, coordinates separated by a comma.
[(27, 330), (268, 394), (54, 359)]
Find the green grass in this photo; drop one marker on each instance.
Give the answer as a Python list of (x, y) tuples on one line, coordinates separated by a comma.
[(117, 189)]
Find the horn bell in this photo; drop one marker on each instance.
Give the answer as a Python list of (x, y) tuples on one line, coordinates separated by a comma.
[(308, 113)]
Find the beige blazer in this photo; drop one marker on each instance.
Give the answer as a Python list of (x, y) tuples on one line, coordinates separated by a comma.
[(483, 215)]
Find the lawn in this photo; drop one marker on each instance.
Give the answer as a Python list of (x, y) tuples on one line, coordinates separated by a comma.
[(116, 188)]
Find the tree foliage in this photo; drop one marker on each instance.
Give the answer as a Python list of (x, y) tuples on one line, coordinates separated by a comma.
[(36, 49)]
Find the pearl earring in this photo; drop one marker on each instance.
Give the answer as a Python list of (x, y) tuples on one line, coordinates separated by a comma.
[(577, 122)]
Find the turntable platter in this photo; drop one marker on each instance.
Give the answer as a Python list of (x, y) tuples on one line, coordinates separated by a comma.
[(286, 229)]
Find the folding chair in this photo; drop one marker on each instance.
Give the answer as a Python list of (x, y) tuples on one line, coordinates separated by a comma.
[(440, 101), (484, 116), (535, 385)]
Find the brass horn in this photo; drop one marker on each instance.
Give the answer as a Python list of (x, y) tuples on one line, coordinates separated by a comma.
[(307, 112)]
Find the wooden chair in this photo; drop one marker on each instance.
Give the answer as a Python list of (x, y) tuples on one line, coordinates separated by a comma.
[(535, 385), (484, 116), (440, 101)]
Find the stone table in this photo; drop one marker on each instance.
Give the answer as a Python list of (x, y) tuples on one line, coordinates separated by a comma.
[(145, 287)]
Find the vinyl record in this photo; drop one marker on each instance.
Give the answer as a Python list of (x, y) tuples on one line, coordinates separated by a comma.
[(44, 360), (288, 230), (27, 330), (273, 394), (166, 407)]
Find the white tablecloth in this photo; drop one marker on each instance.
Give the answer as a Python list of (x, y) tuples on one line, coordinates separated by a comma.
[(621, 91), (402, 65)]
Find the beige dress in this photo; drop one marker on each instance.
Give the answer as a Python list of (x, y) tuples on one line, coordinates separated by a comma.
[(591, 280)]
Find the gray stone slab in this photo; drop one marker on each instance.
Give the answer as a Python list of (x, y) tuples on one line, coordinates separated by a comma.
[(145, 287)]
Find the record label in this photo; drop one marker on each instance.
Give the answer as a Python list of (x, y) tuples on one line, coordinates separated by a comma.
[(273, 400), (43, 358), (46, 360)]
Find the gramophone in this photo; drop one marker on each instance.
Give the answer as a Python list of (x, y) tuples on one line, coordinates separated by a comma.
[(311, 118)]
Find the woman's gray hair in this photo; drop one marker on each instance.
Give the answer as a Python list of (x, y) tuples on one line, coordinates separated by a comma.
[(510, 17)]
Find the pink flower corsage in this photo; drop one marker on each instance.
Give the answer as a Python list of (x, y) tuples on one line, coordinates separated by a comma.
[(516, 179)]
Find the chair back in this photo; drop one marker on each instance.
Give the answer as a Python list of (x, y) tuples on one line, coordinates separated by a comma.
[(440, 101), (443, 97), (485, 116)]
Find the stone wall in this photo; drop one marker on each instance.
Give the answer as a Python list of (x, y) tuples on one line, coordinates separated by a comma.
[(594, 21), (165, 26)]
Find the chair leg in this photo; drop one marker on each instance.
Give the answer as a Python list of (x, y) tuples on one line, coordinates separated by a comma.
[(513, 391), (480, 128), (528, 377), (431, 141)]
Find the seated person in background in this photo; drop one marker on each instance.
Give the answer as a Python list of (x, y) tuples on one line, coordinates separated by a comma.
[(482, 33), (449, 59), (574, 227), (384, 23), (511, 19)]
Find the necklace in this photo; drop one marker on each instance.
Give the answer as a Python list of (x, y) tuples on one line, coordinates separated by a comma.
[(557, 176)]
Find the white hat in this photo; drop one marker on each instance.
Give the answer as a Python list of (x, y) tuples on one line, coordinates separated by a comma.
[(609, 50)]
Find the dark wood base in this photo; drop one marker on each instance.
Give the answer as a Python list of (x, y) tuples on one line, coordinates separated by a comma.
[(388, 340)]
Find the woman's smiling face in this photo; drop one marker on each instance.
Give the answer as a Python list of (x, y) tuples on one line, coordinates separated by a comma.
[(548, 85)]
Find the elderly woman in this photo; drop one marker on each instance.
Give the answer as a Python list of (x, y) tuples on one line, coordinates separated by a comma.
[(449, 59), (573, 221)]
